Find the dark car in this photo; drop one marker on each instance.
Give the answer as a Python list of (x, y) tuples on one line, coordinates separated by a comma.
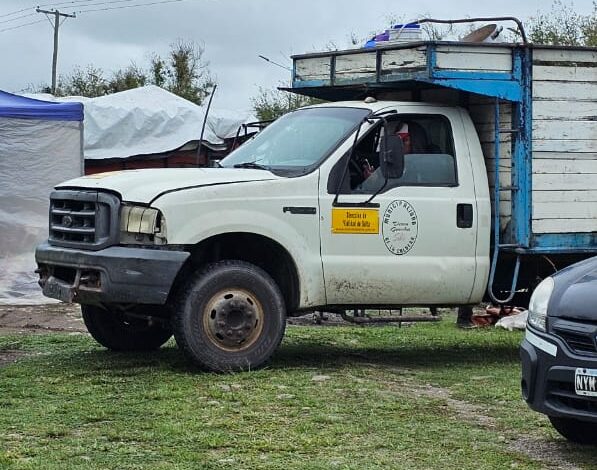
[(559, 351)]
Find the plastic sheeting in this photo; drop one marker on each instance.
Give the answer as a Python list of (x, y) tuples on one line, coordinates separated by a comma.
[(149, 120), (35, 155)]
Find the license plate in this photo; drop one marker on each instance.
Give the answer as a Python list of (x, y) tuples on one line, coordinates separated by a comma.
[(585, 382), (58, 290)]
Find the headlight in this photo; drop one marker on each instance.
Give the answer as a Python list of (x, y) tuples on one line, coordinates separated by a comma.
[(538, 304), (144, 225)]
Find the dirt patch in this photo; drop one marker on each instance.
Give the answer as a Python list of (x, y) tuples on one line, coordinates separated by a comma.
[(9, 356), (550, 454), (57, 317)]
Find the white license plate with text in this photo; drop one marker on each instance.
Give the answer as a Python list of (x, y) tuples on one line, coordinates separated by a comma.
[(585, 382)]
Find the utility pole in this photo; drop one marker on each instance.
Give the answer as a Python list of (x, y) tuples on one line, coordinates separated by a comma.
[(57, 16)]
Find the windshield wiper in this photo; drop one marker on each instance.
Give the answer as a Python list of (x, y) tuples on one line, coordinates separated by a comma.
[(252, 165)]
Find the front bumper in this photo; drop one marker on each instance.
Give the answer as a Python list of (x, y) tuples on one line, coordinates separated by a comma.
[(548, 374), (113, 275)]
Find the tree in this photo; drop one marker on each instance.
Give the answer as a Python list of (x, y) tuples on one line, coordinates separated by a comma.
[(89, 81), (562, 26), (271, 104), (182, 72), (127, 78)]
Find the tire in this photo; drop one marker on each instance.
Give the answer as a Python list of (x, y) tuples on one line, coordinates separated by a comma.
[(230, 316), (113, 331), (575, 430)]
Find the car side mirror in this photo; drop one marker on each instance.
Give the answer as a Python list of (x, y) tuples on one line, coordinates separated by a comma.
[(391, 156)]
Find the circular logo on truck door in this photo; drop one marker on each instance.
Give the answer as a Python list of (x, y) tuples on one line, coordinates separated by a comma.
[(400, 227)]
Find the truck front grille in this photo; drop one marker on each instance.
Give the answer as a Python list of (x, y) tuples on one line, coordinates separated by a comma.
[(83, 219)]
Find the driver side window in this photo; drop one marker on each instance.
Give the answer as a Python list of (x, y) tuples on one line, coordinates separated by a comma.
[(429, 158)]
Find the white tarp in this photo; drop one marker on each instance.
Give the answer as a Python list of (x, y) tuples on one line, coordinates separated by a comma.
[(149, 120), (35, 155)]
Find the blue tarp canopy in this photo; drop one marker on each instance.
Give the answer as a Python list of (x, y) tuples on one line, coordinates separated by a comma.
[(19, 107)]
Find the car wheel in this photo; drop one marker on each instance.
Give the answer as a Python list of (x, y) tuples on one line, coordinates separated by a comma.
[(230, 316), (575, 430), (112, 329)]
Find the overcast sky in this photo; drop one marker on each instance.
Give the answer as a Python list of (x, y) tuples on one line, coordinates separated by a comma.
[(233, 32)]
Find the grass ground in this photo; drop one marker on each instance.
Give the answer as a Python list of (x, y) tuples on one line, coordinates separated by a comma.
[(424, 396)]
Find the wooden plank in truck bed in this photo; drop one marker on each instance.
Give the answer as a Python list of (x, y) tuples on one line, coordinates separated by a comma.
[(564, 141)]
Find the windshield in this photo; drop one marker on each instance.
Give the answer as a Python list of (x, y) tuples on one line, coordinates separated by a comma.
[(298, 141)]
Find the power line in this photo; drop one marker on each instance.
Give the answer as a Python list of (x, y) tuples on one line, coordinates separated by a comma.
[(77, 3), (17, 18), (41, 6), (21, 26), (80, 4), (130, 6)]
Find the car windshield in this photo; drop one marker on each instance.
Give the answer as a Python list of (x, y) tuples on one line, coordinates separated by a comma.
[(298, 141)]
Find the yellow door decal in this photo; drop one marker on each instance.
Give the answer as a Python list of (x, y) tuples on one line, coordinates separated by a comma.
[(347, 220)]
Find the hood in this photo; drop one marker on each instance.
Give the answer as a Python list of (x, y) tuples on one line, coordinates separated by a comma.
[(145, 185), (575, 292)]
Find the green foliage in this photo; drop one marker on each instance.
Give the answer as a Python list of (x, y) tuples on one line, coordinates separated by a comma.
[(271, 104), (182, 72), (89, 81), (125, 79), (562, 26)]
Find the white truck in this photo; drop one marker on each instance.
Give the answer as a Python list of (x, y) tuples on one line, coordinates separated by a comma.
[(382, 201)]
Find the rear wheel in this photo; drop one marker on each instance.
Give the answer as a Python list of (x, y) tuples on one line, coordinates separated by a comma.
[(575, 430), (230, 316), (113, 329)]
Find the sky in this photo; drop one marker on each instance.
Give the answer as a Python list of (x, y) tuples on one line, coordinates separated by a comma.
[(233, 32)]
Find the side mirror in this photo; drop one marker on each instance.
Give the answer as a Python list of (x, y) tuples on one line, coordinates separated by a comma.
[(391, 156)]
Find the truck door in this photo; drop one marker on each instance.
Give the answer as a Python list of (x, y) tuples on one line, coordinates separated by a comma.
[(410, 240)]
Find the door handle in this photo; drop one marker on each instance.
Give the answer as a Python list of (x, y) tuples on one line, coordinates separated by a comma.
[(464, 215)]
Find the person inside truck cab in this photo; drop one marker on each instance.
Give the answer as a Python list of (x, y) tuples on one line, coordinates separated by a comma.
[(425, 163)]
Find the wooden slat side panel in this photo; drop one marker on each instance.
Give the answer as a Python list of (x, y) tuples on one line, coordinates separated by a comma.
[(566, 73), (563, 90), (474, 59), (564, 182), (565, 196), (355, 66), (564, 146), (564, 210), (482, 112), (564, 55), (564, 130), (562, 109), (565, 166), (564, 156), (564, 226), (314, 68), (403, 60)]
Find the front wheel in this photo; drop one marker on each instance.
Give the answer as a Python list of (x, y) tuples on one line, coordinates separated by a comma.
[(114, 330), (581, 432), (230, 316)]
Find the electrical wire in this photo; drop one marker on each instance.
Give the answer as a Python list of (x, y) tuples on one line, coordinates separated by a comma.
[(146, 4), (21, 26), (130, 6), (17, 18), (16, 12)]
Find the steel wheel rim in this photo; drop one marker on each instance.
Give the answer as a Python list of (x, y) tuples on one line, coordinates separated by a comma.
[(233, 319)]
